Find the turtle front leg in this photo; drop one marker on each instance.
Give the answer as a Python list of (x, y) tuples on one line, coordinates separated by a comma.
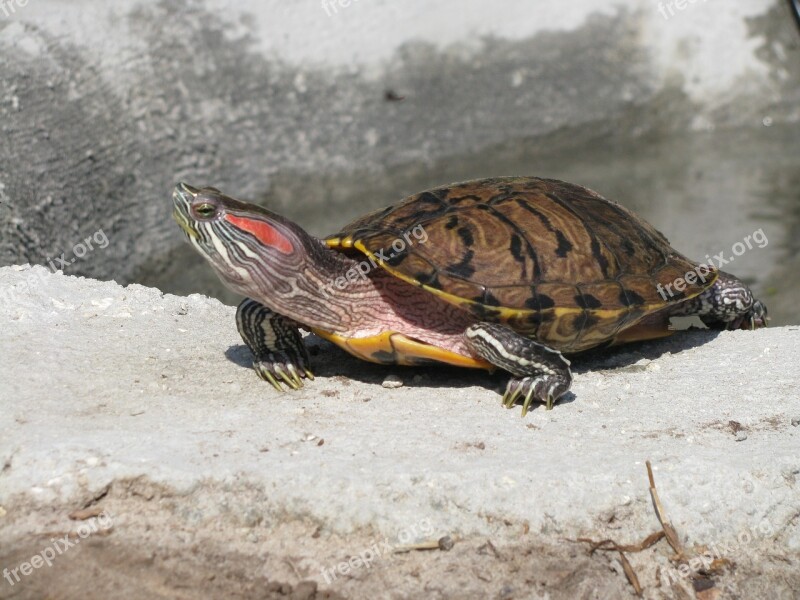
[(539, 373), (276, 344)]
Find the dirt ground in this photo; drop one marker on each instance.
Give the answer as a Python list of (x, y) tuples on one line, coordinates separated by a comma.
[(140, 553)]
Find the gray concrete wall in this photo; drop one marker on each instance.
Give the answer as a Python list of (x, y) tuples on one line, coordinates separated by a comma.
[(103, 106)]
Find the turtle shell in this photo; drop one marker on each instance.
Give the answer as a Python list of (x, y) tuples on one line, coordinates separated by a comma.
[(550, 259)]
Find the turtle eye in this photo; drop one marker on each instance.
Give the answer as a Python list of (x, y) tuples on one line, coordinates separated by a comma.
[(205, 210)]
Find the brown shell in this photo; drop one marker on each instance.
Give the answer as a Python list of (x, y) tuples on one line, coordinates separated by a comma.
[(551, 259)]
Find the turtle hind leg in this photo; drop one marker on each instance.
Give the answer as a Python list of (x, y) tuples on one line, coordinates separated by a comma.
[(539, 372), (276, 344), (728, 304)]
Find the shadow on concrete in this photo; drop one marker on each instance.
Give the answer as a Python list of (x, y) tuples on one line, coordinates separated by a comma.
[(329, 361)]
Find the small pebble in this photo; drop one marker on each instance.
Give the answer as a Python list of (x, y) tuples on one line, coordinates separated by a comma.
[(741, 436), (392, 381), (446, 543), (795, 421)]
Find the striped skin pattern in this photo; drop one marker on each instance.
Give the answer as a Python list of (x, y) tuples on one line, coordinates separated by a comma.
[(276, 344), (552, 260), (293, 285), (539, 371), (287, 280)]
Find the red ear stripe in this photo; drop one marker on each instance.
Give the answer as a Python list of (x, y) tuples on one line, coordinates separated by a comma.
[(264, 233)]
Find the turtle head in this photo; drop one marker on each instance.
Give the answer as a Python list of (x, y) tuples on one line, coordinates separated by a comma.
[(254, 251)]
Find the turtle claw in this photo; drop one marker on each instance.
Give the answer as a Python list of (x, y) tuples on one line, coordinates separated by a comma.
[(294, 378), (511, 394), (267, 376), (540, 389), (297, 375), (279, 369), (529, 397), (527, 403)]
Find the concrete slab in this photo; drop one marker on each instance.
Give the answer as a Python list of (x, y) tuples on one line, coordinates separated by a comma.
[(127, 398)]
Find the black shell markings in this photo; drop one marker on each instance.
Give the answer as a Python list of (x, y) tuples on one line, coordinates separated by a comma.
[(548, 257)]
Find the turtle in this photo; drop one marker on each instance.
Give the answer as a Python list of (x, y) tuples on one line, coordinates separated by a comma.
[(511, 273)]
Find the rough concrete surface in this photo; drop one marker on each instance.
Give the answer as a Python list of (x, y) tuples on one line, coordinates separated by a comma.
[(143, 405)]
